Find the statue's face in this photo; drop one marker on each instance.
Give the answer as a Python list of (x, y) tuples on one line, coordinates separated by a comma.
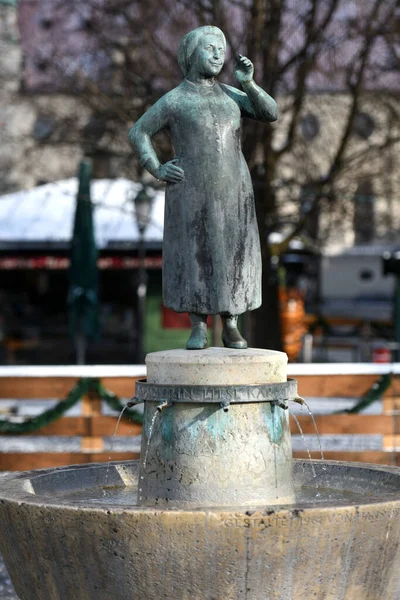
[(209, 56)]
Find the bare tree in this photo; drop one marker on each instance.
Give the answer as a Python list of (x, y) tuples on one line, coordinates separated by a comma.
[(332, 65)]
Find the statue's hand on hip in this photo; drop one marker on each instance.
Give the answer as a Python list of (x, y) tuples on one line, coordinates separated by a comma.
[(170, 172), (244, 69)]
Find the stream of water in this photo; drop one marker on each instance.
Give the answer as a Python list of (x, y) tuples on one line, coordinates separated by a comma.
[(146, 454), (302, 403), (113, 440), (304, 440), (299, 400)]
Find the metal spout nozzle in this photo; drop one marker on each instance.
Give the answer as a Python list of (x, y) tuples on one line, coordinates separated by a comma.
[(281, 404), (133, 402), (163, 405), (299, 400), (225, 406)]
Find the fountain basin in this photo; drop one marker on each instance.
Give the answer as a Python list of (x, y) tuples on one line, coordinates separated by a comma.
[(77, 533)]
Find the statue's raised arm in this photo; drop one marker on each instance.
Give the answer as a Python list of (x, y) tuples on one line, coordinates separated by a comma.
[(254, 102), (211, 252)]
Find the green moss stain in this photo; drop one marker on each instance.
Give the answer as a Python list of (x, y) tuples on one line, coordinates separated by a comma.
[(273, 418), (167, 425), (216, 423)]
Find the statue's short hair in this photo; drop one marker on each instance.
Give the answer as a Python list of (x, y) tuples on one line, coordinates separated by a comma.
[(189, 42)]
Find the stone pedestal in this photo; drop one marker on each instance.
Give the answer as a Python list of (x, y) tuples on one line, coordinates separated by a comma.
[(218, 443), (216, 366)]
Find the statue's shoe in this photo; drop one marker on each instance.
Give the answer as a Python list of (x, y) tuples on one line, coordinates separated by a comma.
[(231, 338), (198, 337)]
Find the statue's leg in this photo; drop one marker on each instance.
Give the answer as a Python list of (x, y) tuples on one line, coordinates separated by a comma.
[(198, 336), (231, 337)]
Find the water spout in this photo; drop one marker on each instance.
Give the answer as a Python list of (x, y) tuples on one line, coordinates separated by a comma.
[(281, 404), (133, 402), (165, 404)]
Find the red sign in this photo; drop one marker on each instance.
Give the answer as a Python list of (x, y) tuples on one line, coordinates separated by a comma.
[(173, 320), (381, 355), (59, 263)]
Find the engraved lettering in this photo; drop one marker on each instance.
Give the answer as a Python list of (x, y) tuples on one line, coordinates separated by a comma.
[(259, 393), (296, 522), (209, 394), (186, 394)]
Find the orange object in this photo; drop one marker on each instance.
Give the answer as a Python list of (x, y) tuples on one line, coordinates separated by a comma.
[(292, 321)]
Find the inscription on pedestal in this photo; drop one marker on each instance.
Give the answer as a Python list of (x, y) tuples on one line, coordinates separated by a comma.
[(208, 393)]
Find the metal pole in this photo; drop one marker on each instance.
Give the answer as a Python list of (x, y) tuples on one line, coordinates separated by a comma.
[(80, 345), (397, 318), (307, 347), (141, 301)]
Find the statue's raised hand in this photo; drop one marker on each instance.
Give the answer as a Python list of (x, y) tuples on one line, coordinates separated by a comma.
[(244, 69), (170, 172)]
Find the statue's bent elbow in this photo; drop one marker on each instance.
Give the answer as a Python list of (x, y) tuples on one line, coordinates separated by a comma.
[(133, 135), (273, 112)]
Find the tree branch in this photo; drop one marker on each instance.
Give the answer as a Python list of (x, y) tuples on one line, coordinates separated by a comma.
[(356, 89), (313, 36)]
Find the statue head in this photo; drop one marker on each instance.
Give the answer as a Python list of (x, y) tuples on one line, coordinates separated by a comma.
[(202, 49)]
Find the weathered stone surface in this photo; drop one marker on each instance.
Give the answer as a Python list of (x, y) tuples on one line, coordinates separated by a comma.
[(60, 549), (216, 366), (195, 453)]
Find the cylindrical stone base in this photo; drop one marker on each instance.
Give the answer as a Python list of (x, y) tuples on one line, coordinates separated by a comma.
[(197, 454)]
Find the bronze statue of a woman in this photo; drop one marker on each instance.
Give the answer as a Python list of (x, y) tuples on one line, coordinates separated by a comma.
[(211, 250)]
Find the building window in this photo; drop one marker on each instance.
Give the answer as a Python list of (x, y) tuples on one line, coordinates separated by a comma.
[(309, 126), (363, 125), (311, 210), (364, 213), (43, 128)]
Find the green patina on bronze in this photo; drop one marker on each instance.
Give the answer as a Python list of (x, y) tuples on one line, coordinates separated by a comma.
[(211, 254), (273, 415)]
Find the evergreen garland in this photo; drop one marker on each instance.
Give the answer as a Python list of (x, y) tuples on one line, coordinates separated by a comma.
[(86, 385), (115, 403), (82, 387), (374, 393)]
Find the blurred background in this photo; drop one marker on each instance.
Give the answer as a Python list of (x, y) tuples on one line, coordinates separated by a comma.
[(81, 225)]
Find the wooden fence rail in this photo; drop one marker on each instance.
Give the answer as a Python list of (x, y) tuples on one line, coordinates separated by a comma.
[(328, 381)]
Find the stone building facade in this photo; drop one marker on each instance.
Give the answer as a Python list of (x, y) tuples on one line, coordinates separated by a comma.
[(46, 126), (365, 208)]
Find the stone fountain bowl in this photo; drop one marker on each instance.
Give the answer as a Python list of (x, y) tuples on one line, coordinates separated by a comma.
[(76, 533)]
